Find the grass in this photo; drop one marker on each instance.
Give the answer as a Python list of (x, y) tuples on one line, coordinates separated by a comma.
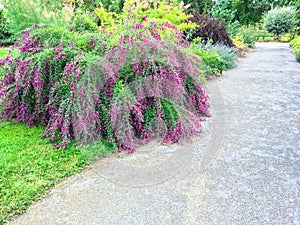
[(3, 52), (284, 38), (265, 39), (29, 166)]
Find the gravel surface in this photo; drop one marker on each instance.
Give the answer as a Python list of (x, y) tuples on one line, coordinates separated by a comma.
[(245, 169)]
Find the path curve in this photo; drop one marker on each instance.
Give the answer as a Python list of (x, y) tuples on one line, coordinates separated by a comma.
[(254, 179)]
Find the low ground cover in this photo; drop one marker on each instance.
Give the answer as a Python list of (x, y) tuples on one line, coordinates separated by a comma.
[(29, 166), (3, 52)]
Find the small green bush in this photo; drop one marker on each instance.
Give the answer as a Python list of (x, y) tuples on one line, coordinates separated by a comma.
[(280, 20), (248, 35), (112, 5), (295, 44), (216, 57), (213, 63), (3, 53)]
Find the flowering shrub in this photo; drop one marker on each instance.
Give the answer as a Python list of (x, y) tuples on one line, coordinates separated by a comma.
[(127, 94)]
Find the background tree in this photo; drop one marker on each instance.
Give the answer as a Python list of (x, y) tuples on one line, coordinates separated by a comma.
[(251, 11), (5, 34), (25, 13), (201, 6)]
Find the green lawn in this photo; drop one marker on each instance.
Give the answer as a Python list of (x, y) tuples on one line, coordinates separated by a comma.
[(3, 52), (283, 38), (29, 166)]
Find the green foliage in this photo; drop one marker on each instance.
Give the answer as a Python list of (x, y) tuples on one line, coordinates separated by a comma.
[(296, 3), (295, 44), (162, 12), (250, 12), (3, 52), (261, 34), (280, 20), (216, 58), (297, 54), (222, 9), (214, 64), (172, 13), (25, 13), (106, 19), (171, 114), (113, 5), (201, 6), (90, 5), (116, 23), (247, 12), (248, 35), (83, 21), (5, 33)]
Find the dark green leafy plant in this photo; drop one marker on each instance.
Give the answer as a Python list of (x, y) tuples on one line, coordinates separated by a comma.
[(210, 29), (5, 33)]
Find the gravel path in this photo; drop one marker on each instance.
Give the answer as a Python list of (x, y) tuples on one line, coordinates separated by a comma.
[(245, 169)]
